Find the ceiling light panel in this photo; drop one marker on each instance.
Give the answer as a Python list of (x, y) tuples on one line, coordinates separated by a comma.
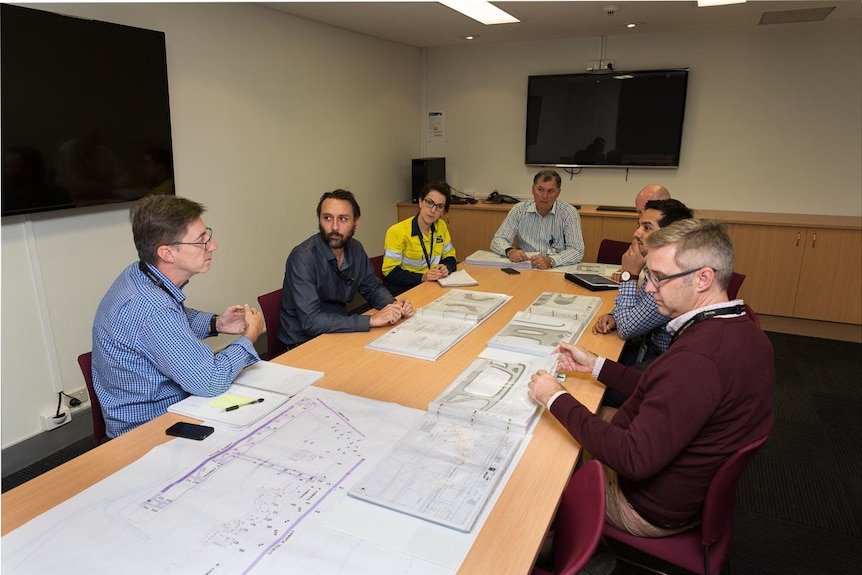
[(482, 11)]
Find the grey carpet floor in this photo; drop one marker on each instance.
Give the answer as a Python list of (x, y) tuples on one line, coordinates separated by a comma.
[(799, 502)]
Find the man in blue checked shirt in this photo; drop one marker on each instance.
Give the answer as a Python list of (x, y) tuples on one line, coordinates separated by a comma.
[(147, 352), (636, 316), (550, 228)]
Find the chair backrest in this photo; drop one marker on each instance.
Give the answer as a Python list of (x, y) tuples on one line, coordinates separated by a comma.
[(611, 251), (270, 305), (85, 361), (580, 518), (734, 285), (751, 315), (702, 549), (377, 266), (720, 503)]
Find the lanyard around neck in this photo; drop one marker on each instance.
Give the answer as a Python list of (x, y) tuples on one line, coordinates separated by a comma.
[(155, 279), (738, 309), (422, 243)]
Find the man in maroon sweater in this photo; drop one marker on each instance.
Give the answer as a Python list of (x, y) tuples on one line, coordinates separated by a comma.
[(705, 398)]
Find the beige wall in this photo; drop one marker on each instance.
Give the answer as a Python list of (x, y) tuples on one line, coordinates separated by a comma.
[(268, 112), (773, 119)]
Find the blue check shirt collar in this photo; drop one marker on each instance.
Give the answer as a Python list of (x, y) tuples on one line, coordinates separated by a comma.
[(175, 292)]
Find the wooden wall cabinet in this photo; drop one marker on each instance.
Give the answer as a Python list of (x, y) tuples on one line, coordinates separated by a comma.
[(613, 227), (771, 258), (808, 273), (591, 229), (830, 282), (800, 266)]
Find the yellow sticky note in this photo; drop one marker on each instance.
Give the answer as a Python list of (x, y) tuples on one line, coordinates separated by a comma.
[(228, 399)]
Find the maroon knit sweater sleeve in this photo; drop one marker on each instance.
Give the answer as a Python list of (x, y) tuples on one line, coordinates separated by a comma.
[(700, 401)]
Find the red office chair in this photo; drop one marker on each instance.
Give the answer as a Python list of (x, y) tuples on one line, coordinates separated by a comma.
[(735, 283), (702, 549), (611, 251), (270, 305), (377, 265), (579, 520), (85, 360)]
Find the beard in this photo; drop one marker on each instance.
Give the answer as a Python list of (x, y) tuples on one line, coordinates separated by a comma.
[(335, 240)]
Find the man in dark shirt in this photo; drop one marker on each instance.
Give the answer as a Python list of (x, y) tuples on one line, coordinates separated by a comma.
[(705, 398), (324, 273)]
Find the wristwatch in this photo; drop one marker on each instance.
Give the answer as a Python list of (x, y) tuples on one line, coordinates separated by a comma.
[(627, 277), (213, 330)]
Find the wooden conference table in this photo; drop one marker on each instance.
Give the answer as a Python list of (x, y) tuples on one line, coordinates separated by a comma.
[(512, 535)]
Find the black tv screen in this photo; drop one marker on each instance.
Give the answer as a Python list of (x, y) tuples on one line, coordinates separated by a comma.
[(618, 119), (85, 112)]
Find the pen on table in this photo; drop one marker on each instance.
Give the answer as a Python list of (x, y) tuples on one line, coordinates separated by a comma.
[(232, 407)]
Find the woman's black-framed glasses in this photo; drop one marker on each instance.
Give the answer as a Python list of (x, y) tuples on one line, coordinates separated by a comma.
[(205, 243), (432, 205)]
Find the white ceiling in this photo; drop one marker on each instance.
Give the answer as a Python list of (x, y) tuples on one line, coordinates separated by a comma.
[(428, 23)]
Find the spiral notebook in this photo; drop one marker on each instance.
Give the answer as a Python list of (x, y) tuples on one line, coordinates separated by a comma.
[(438, 326), (551, 318), (241, 404)]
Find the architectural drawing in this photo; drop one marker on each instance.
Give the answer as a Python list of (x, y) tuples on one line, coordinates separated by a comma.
[(492, 393), (470, 305), (254, 502), (446, 469), (438, 326), (441, 471), (579, 307), (551, 318)]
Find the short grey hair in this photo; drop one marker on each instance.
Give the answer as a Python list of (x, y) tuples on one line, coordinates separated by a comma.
[(545, 175), (699, 244)]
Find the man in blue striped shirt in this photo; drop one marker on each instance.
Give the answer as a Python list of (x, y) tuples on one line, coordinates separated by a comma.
[(544, 226), (147, 352)]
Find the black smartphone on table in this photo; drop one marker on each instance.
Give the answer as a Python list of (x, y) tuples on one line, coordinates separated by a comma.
[(511, 271), (190, 430)]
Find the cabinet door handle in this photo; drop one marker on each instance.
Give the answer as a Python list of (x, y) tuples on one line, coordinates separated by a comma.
[(798, 237), (814, 241)]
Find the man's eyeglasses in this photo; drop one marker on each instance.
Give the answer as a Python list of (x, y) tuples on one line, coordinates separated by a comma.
[(430, 204), (659, 281), (205, 243)]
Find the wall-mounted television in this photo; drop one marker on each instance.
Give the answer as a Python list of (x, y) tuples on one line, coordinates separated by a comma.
[(616, 119), (85, 112)]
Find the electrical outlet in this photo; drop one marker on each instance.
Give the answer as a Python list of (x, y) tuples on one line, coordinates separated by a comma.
[(607, 65), (81, 395), (50, 420), (593, 65)]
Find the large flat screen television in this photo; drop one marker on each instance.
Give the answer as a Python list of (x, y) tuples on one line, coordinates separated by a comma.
[(617, 119), (85, 112)]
